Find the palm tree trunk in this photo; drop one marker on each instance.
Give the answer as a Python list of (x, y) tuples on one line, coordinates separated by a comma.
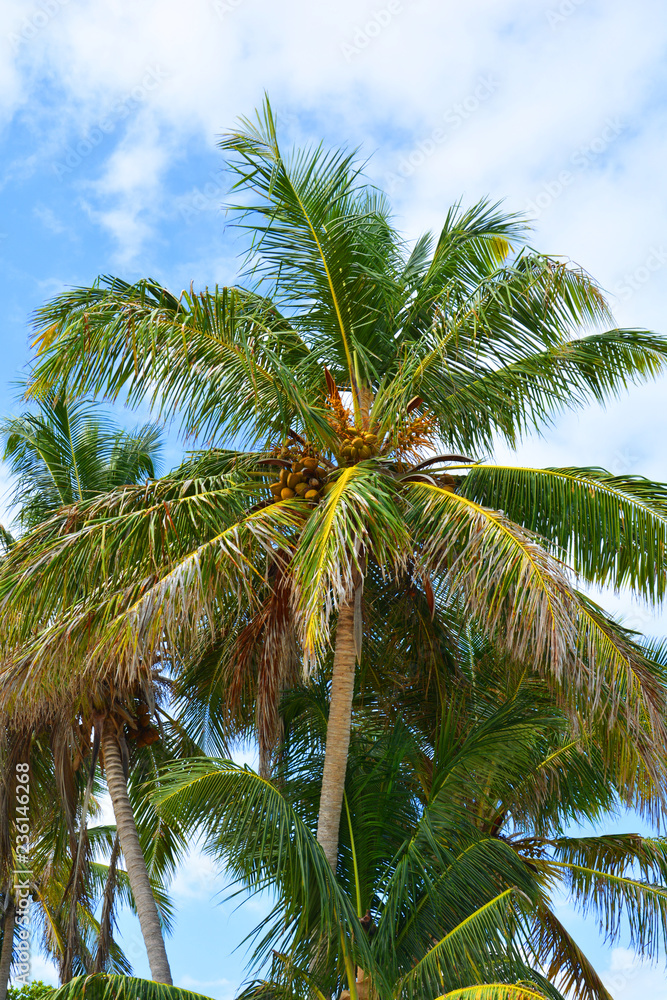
[(104, 936), (7, 947), (338, 735), (134, 858)]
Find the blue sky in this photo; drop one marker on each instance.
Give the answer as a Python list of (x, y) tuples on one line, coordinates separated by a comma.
[(110, 111)]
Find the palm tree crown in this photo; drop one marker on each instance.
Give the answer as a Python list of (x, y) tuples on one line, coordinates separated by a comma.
[(343, 368)]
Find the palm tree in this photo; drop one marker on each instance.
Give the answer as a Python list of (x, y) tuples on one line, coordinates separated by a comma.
[(60, 455), (348, 366), (66, 451), (438, 832)]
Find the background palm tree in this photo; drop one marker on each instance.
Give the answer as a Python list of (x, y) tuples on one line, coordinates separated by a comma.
[(64, 451), (363, 355), (438, 825), (59, 455)]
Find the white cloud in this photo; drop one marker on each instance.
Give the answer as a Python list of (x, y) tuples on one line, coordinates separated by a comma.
[(627, 978), (48, 219), (197, 877), (179, 72)]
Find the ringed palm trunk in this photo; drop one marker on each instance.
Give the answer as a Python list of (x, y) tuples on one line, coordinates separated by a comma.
[(7, 948), (338, 734), (134, 859)]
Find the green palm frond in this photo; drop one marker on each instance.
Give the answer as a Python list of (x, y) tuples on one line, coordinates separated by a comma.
[(264, 842), (476, 402), (489, 930), (612, 529), (318, 235), (65, 452), (502, 573), (106, 987), (563, 961), (527, 604), (155, 342), (360, 518), (494, 991), (150, 549), (619, 880)]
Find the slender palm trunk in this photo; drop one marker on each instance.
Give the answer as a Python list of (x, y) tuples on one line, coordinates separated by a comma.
[(104, 936), (134, 858), (7, 947), (73, 941), (338, 735)]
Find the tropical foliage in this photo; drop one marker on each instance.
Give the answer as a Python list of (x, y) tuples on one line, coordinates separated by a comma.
[(338, 570), (60, 454)]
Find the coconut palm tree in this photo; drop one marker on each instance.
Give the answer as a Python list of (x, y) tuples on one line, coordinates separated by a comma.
[(362, 372), (436, 829), (66, 450), (64, 453), (39, 846)]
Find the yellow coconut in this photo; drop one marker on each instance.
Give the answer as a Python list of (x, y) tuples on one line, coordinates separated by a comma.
[(286, 494), (312, 495)]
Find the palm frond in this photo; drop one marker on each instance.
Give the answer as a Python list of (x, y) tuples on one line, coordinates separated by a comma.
[(613, 529), (360, 518), (139, 341), (106, 987)]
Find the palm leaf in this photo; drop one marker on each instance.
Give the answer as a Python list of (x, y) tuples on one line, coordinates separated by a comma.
[(359, 519), (613, 529), (105, 987)]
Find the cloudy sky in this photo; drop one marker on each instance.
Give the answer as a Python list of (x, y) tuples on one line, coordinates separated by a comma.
[(110, 111)]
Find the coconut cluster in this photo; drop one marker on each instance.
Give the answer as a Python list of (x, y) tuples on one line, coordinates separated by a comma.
[(141, 729), (357, 445), (303, 477)]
